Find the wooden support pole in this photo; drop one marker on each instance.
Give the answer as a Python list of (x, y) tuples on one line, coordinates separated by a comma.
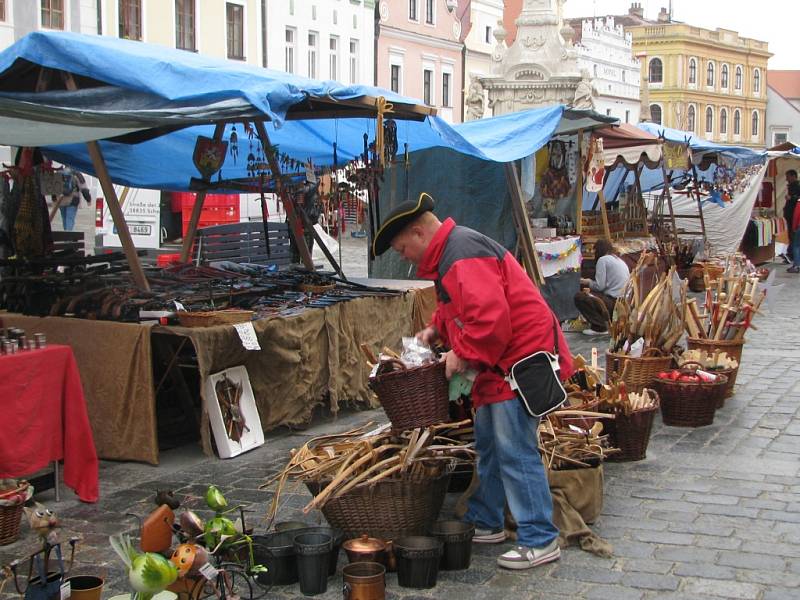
[(114, 208), (288, 202), (525, 234), (604, 214), (197, 208), (579, 188), (117, 215)]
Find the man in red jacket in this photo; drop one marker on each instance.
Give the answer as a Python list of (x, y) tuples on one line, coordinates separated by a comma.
[(490, 315)]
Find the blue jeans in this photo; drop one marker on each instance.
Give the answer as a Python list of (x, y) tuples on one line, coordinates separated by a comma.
[(68, 217), (510, 469), (795, 248)]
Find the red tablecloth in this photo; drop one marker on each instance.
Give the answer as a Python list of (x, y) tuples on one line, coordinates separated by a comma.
[(44, 418)]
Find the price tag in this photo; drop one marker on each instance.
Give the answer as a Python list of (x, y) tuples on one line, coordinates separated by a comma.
[(247, 333), (594, 358), (66, 590), (208, 571), (179, 306)]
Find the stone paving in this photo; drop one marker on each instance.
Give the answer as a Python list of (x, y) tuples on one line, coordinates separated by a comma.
[(712, 512)]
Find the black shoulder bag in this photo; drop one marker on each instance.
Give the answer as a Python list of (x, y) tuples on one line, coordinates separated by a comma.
[(536, 381)]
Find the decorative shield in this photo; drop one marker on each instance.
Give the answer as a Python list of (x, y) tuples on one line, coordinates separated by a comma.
[(208, 156)]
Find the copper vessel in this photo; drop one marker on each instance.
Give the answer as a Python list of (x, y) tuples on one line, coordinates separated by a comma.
[(364, 581), (365, 549)]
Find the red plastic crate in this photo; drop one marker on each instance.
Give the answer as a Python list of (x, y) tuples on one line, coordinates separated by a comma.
[(164, 260)]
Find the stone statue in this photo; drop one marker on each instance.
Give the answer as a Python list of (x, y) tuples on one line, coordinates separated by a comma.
[(475, 99), (584, 93)]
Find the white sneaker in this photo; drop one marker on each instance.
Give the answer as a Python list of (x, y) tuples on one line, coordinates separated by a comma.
[(489, 536), (523, 557), (593, 332)]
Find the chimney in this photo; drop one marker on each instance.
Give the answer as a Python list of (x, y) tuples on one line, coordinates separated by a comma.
[(636, 10), (664, 16)]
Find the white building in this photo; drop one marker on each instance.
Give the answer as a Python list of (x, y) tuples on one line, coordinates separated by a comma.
[(605, 51), (783, 107), (322, 39), (480, 41)]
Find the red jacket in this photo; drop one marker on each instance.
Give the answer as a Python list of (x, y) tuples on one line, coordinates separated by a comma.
[(488, 310)]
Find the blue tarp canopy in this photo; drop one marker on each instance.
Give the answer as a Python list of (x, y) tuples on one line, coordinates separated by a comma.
[(700, 146), (127, 86)]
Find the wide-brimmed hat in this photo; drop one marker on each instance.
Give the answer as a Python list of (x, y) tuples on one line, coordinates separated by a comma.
[(396, 220)]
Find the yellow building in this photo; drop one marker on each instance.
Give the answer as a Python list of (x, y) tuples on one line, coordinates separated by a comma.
[(710, 82)]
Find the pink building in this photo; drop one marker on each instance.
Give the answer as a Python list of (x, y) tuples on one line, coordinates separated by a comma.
[(420, 51)]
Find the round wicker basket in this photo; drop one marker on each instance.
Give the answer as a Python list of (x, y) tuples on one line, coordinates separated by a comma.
[(214, 317)]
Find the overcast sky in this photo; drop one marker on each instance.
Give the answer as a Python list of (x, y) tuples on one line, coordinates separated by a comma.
[(773, 21)]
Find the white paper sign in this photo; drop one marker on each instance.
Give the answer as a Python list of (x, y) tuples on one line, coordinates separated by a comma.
[(208, 571), (66, 590), (179, 306), (247, 333)]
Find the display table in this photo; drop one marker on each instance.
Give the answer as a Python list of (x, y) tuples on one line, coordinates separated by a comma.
[(305, 360), (45, 418)]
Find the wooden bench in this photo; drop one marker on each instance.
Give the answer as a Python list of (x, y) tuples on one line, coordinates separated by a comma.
[(69, 243), (243, 243)]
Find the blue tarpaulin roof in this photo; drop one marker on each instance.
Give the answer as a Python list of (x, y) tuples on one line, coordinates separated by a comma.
[(700, 145)]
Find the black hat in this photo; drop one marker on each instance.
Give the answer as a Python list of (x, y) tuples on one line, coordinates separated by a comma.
[(396, 220)]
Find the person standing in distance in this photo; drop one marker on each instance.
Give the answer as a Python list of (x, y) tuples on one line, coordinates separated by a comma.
[(490, 314)]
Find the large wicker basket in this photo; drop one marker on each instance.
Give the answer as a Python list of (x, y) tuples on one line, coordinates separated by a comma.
[(11, 517), (415, 397), (636, 372), (389, 509), (631, 433), (689, 404)]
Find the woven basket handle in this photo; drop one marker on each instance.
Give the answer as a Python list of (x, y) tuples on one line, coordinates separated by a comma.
[(692, 362), (396, 361), (649, 350)]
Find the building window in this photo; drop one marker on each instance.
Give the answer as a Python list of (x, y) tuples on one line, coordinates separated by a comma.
[(2, 10), (754, 124), (655, 113), (692, 71), (394, 83), (488, 34), (313, 12), (756, 82), (737, 122), (627, 116), (412, 10), (709, 120), (291, 7), (52, 14), (289, 51), (427, 86), (334, 58), (130, 19), (312, 54), (353, 61), (235, 27), (710, 74), (691, 118), (429, 8), (779, 137), (446, 89), (737, 84), (723, 77), (623, 76), (184, 25), (723, 121), (656, 71), (335, 18)]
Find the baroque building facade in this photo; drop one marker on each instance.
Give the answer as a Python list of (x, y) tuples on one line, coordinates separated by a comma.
[(709, 82), (605, 50)]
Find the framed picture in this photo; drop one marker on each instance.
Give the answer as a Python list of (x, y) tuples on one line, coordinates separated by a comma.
[(232, 412)]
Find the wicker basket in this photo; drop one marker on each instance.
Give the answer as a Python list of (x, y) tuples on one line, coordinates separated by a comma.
[(732, 347), (631, 433), (11, 518), (415, 397), (387, 510), (214, 317), (688, 404), (636, 372)]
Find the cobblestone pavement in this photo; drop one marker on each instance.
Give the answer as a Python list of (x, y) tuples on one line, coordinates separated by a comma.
[(712, 512)]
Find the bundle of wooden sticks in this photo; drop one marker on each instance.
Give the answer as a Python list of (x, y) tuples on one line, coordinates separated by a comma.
[(729, 308), (360, 457), (570, 439)]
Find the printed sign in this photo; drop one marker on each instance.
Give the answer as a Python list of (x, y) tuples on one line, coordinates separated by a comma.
[(247, 333)]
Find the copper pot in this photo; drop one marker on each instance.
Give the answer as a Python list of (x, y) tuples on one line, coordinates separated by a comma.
[(365, 549)]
